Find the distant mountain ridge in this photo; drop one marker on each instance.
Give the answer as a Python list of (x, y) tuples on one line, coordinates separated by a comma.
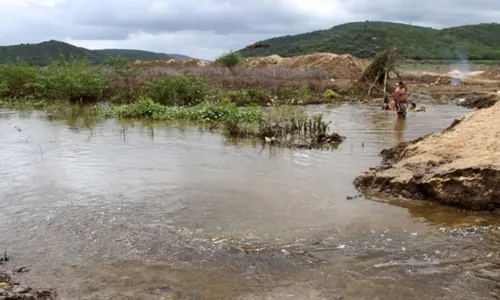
[(42, 53), (364, 39)]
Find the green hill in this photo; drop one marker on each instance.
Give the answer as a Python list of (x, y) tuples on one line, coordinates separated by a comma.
[(42, 53), (133, 54), (364, 39), (140, 54)]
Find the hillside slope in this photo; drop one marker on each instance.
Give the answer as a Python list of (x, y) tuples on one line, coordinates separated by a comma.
[(42, 53), (364, 39)]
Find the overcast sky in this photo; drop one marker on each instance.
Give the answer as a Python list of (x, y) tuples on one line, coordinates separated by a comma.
[(205, 28)]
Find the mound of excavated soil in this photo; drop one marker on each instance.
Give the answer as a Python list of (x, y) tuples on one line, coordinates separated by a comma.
[(455, 73), (339, 66), (491, 74), (171, 63), (259, 62), (458, 167), (343, 66)]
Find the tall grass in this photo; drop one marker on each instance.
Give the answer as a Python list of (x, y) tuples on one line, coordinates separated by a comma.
[(177, 91), (230, 59)]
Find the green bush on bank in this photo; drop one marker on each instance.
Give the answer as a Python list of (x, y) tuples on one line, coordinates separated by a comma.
[(302, 94), (230, 59), (146, 107), (74, 80), (329, 94), (18, 80), (61, 80), (177, 91), (244, 97)]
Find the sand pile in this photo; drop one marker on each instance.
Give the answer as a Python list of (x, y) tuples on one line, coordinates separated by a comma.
[(338, 66), (491, 74), (458, 167), (260, 62), (456, 74), (171, 63), (475, 73), (343, 66)]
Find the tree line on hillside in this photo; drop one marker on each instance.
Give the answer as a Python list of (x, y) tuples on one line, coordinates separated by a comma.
[(44, 53), (365, 39)]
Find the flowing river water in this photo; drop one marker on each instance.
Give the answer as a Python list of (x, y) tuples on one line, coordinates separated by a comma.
[(129, 211)]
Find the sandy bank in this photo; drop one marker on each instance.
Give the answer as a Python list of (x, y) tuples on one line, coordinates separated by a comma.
[(458, 167)]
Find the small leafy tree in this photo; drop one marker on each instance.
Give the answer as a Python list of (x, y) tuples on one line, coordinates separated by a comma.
[(20, 79), (73, 79), (230, 59), (177, 90)]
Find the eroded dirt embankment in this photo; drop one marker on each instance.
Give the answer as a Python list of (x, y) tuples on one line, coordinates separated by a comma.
[(480, 100), (458, 167)]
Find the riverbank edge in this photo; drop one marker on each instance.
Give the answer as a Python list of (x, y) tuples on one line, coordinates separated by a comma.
[(12, 289), (400, 176)]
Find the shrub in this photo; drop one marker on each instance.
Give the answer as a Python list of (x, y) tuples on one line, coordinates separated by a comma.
[(228, 113), (74, 79), (144, 107), (230, 59), (177, 91), (301, 94), (118, 63), (217, 113), (125, 81), (20, 79), (329, 94), (236, 121), (245, 97)]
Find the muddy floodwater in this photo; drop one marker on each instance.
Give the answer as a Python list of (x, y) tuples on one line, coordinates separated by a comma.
[(139, 211)]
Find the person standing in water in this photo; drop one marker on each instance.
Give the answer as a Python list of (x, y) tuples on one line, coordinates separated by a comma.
[(400, 99)]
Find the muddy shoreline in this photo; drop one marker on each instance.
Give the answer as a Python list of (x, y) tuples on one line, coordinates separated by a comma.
[(11, 289), (458, 167)]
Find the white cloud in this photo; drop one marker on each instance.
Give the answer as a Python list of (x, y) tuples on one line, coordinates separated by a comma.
[(199, 44), (205, 28)]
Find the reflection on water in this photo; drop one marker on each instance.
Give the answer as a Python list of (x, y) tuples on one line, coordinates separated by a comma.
[(399, 129), (141, 210)]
